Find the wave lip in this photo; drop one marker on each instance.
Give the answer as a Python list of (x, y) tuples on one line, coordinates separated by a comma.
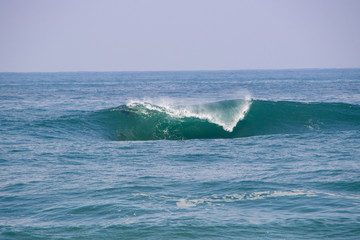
[(225, 113)]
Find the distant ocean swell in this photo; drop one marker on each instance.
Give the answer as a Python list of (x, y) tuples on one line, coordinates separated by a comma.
[(224, 119)]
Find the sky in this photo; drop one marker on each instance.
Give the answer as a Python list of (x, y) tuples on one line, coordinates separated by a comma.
[(165, 35)]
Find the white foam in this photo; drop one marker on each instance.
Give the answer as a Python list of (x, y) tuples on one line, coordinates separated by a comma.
[(183, 203)]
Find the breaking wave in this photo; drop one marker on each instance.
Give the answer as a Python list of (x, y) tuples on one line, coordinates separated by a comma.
[(223, 119)]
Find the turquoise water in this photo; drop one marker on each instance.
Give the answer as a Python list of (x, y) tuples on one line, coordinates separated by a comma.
[(180, 155)]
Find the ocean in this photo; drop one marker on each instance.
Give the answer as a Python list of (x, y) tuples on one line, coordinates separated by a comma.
[(255, 154)]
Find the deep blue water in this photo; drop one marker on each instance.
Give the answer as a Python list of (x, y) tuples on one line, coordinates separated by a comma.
[(180, 155)]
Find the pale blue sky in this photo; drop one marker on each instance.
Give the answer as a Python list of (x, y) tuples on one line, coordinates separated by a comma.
[(115, 35)]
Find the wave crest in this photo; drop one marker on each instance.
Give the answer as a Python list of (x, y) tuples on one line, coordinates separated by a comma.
[(224, 113)]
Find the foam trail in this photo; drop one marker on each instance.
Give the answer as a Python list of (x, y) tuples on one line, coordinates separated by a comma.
[(188, 203)]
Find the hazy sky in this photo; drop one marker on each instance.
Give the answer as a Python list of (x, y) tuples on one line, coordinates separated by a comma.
[(127, 35)]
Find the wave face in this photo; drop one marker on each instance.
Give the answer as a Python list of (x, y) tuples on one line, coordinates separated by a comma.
[(224, 119)]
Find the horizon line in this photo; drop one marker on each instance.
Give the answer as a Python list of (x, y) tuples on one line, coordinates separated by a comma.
[(199, 70)]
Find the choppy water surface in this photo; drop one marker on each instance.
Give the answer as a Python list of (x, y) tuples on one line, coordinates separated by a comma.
[(178, 155)]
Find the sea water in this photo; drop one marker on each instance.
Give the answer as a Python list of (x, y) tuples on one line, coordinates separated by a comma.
[(269, 154)]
